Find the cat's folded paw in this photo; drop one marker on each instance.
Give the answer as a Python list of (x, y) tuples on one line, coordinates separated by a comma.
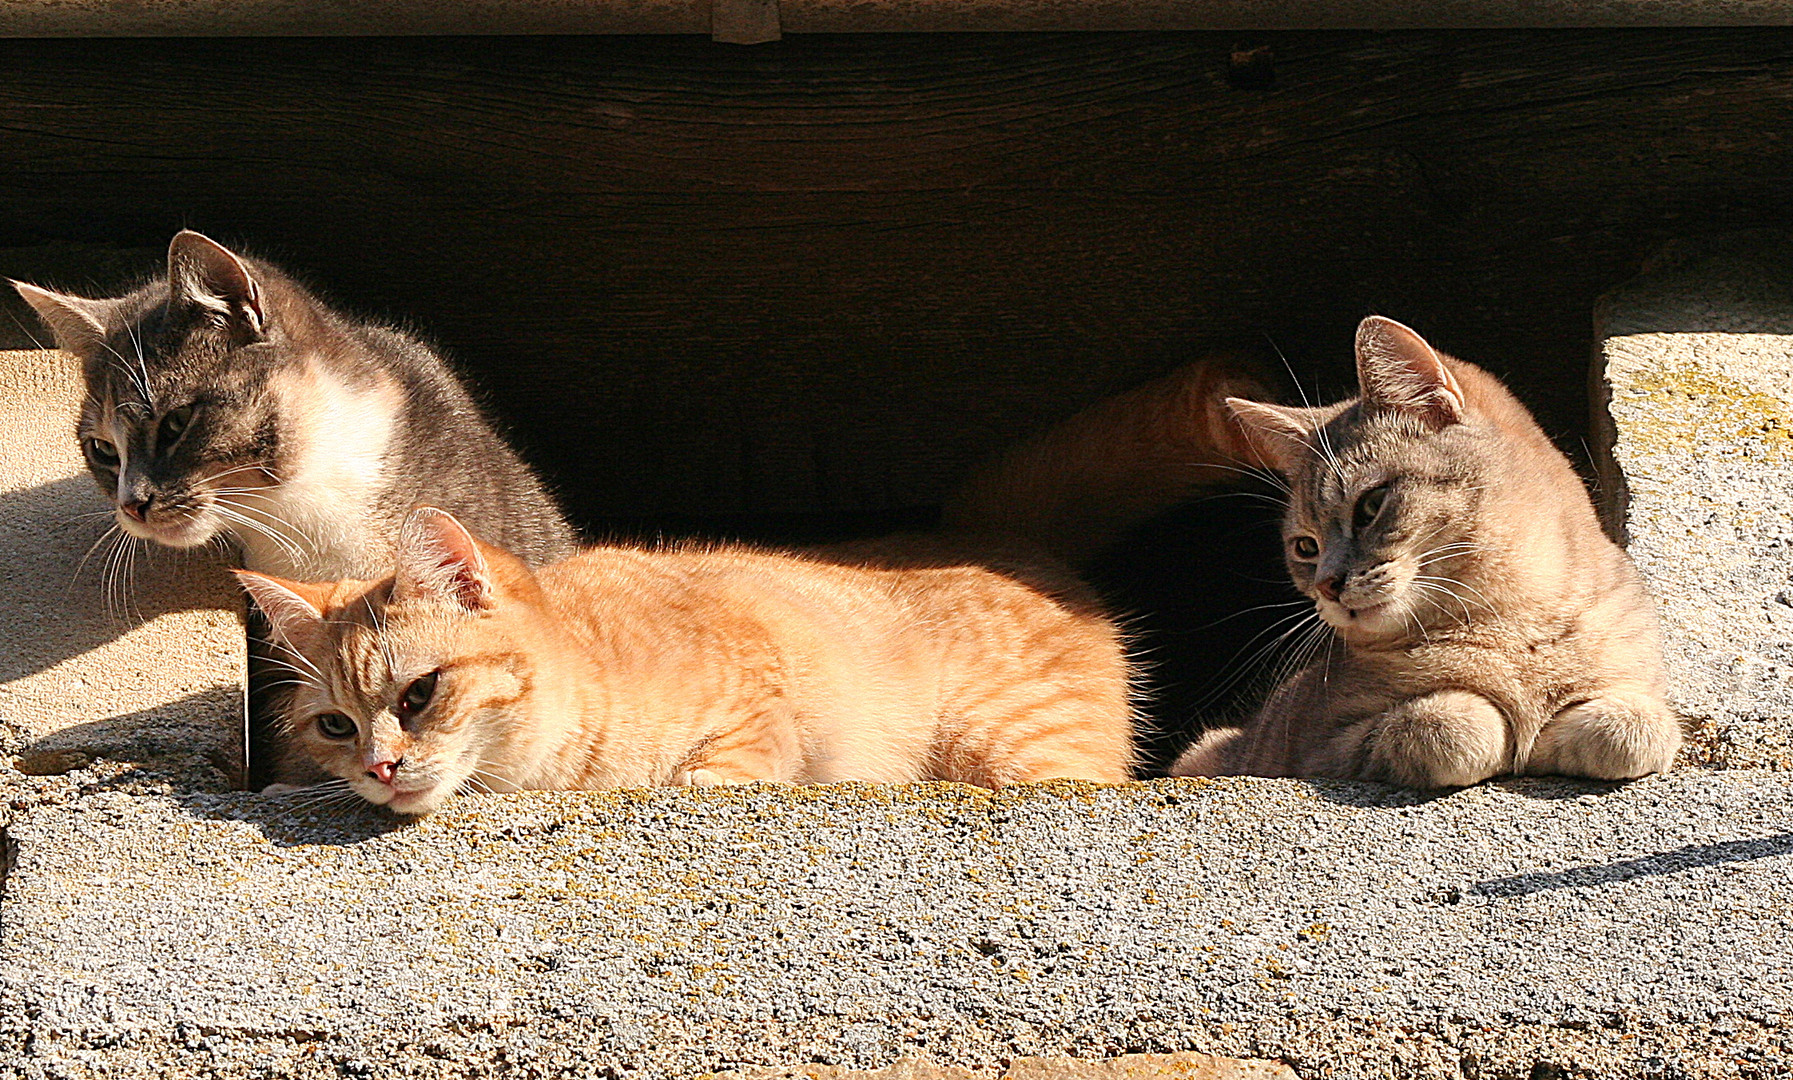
[(1209, 756), (1618, 737), (705, 778), (284, 789), (1449, 739)]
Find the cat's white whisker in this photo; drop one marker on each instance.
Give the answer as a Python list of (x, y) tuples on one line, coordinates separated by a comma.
[(1445, 584), (295, 654), (103, 538), (238, 515)]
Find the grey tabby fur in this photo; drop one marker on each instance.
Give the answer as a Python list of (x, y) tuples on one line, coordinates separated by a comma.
[(224, 400)]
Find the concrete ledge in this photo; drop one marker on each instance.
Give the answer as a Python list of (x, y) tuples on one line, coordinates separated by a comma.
[(1695, 367), (1184, 1066), (106, 654), (1353, 931)]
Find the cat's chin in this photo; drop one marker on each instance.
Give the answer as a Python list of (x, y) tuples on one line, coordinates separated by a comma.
[(188, 533), (1365, 626), (415, 803), (409, 803)]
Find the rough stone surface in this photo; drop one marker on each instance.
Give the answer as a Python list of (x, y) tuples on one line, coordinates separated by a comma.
[(1519, 929), (1697, 364), (1185, 1066), (131, 653)]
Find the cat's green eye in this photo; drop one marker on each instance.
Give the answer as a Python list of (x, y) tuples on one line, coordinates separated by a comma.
[(1306, 547), (174, 425), (1368, 506), (417, 696), (334, 725), (102, 453)]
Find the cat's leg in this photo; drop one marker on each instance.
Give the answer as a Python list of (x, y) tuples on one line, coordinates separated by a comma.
[(1617, 736), (1069, 727), (1452, 738), (1212, 755), (765, 747), (704, 778), (1074, 759)]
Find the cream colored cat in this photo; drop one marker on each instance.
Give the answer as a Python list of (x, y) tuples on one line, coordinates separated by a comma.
[(1483, 622), (620, 667), (1477, 620)]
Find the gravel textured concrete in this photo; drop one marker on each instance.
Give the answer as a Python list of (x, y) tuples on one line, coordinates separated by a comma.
[(1697, 363), (1353, 931), (136, 658), (1183, 1066)]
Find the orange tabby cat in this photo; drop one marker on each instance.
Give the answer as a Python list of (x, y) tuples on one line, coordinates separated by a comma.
[(624, 667), (1076, 487)]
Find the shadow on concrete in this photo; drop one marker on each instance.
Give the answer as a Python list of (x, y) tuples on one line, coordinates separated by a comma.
[(302, 818), (160, 738), (1556, 788), (1544, 788), (1691, 857), (1735, 283), (53, 593), (1368, 794)]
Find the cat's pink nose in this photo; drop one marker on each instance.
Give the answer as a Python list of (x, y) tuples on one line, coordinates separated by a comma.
[(1330, 587), (383, 771), (137, 509)]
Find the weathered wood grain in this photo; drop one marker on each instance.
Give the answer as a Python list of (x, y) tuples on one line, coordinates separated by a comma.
[(819, 276)]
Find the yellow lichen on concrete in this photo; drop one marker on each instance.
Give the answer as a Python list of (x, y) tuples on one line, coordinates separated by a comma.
[(1689, 406)]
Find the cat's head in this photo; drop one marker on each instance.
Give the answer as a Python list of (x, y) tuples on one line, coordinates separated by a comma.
[(178, 426), (411, 688), (1385, 491)]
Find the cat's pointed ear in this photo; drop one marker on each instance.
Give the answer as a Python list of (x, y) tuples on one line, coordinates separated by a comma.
[(79, 324), (205, 274), (295, 610), (438, 559), (1278, 435), (1398, 371)]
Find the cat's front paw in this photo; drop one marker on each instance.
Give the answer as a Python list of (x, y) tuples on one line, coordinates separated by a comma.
[(284, 789), (1209, 756), (1617, 737), (706, 778), (1449, 739)]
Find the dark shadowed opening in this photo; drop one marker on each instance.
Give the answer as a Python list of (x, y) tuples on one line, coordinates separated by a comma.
[(789, 292)]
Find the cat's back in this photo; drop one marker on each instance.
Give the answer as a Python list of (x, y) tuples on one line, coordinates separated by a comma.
[(719, 592), (447, 448), (890, 599), (1526, 453)]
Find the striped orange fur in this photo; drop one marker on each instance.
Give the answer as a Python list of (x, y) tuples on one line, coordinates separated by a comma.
[(695, 665)]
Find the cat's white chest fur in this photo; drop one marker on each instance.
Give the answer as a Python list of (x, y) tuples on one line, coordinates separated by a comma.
[(334, 441)]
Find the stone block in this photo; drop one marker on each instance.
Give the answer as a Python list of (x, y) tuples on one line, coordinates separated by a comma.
[(1694, 430), (1183, 1066), (1348, 930), (132, 653)]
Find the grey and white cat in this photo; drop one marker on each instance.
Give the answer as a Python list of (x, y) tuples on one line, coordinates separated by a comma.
[(224, 400), (1481, 622)]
